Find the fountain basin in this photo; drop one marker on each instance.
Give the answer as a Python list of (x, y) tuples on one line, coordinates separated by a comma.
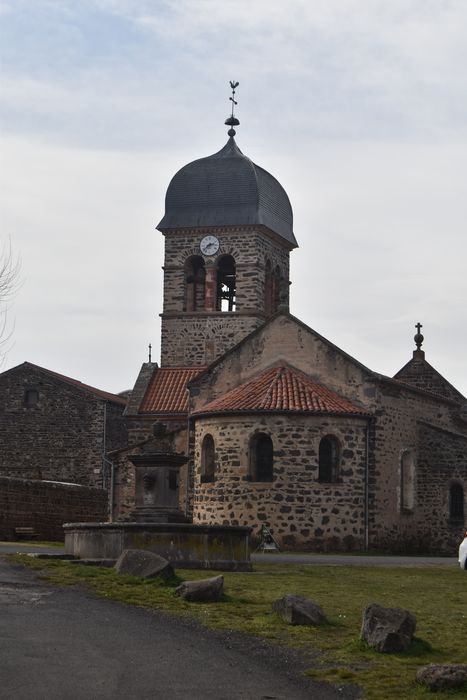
[(184, 545)]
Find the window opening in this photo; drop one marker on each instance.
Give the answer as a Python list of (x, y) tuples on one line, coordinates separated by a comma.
[(226, 284), (407, 480), (208, 464), (276, 299), (173, 480), (456, 502), (195, 282), (268, 289), (261, 458), (328, 459), (31, 397)]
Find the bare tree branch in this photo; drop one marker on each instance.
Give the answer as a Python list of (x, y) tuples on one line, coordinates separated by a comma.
[(9, 283)]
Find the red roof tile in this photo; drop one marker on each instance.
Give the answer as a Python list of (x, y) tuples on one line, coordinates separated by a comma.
[(167, 392), (285, 389)]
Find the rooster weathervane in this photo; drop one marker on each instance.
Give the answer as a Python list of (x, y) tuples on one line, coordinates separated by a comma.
[(232, 120)]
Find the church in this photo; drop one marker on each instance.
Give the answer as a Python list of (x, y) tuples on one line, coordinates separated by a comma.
[(279, 426)]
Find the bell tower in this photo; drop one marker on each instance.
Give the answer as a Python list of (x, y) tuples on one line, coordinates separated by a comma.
[(228, 230)]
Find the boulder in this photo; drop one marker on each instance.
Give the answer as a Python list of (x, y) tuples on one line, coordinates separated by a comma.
[(141, 562), (206, 590), (442, 676), (298, 610), (388, 630)]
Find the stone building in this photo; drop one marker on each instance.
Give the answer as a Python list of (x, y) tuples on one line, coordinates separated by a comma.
[(281, 427), (55, 428)]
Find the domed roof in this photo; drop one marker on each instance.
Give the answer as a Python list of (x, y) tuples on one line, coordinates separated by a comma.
[(227, 189)]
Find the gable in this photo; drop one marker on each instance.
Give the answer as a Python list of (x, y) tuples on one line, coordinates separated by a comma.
[(420, 374), (284, 339), (32, 373)]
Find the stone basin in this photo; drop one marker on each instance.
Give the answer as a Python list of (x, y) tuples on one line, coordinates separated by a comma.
[(184, 545)]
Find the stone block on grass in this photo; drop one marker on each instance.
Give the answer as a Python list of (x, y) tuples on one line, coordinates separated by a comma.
[(141, 562), (442, 676), (207, 590), (298, 610), (388, 630)]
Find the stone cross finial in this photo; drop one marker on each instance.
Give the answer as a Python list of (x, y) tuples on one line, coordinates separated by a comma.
[(418, 337)]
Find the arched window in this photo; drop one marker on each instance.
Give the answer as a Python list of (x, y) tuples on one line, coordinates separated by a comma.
[(456, 502), (208, 464), (261, 458), (268, 289), (195, 278), (226, 284), (407, 480), (328, 465)]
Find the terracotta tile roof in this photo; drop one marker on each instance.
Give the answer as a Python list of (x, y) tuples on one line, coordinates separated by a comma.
[(115, 398), (283, 389), (167, 390)]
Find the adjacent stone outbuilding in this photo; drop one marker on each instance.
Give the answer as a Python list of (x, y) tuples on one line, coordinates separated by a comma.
[(55, 428)]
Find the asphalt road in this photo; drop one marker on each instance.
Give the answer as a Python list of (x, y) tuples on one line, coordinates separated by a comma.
[(59, 643)]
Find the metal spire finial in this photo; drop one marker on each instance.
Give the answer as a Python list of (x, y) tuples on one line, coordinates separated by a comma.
[(150, 348), (232, 120), (418, 337)]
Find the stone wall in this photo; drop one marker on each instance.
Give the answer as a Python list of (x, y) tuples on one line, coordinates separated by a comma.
[(198, 338), (301, 511), (61, 436), (410, 421), (45, 506)]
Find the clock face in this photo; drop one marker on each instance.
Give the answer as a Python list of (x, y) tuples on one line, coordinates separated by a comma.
[(209, 245)]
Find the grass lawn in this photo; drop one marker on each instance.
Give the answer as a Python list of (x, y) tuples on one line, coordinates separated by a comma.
[(437, 596)]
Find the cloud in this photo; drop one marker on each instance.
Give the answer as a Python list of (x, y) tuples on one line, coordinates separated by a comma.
[(357, 108), (336, 70)]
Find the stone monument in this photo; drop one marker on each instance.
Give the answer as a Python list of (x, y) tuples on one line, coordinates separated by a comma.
[(157, 524)]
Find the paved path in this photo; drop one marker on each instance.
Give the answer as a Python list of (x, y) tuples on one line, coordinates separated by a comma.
[(289, 557), (64, 644), (350, 560)]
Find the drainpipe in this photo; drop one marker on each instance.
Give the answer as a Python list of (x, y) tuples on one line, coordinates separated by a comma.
[(112, 487), (104, 440), (367, 487), (106, 462), (187, 485)]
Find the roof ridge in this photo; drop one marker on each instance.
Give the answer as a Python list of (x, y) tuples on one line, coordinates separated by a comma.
[(101, 393), (272, 388)]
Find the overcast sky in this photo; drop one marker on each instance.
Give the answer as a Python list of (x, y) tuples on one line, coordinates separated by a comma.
[(358, 108)]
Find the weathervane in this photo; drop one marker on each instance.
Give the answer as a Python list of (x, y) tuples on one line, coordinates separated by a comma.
[(232, 120)]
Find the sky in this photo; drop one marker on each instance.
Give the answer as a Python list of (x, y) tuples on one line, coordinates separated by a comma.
[(358, 108)]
